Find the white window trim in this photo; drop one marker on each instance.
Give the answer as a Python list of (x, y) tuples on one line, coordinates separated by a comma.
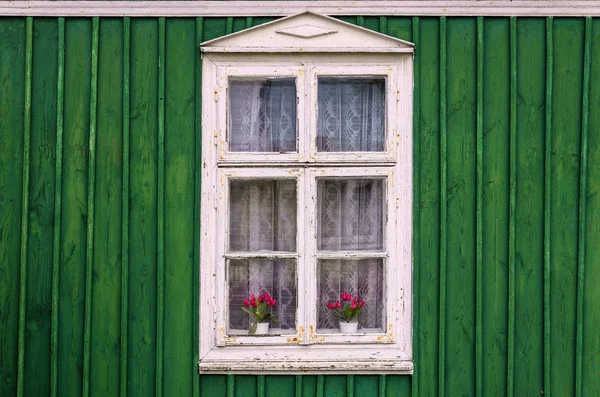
[(306, 351)]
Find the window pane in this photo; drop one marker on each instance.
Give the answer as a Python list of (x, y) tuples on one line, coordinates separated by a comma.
[(262, 215), (362, 278), (257, 276), (262, 115), (350, 214), (351, 114)]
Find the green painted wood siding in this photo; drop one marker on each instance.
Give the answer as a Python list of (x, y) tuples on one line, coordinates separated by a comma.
[(99, 209)]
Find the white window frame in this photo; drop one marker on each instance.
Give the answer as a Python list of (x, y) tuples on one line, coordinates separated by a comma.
[(306, 350)]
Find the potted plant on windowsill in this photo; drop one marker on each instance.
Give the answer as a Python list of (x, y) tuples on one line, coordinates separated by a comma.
[(260, 308), (347, 312)]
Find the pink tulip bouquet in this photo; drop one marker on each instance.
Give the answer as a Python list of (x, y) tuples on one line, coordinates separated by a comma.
[(348, 310), (260, 308)]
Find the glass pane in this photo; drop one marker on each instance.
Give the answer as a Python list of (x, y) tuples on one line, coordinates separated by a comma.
[(362, 278), (351, 114), (262, 115), (262, 215), (350, 214), (257, 276)]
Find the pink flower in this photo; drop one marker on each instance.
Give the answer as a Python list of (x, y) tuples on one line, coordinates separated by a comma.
[(254, 304), (355, 300), (338, 304), (246, 303), (361, 304), (353, 306), (267, 296), (273, 302), (331, 306), (261, 299), (345, 296), (252, 298)]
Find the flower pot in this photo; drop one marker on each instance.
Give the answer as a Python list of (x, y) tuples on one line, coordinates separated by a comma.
[(262, 329), (348, 328)]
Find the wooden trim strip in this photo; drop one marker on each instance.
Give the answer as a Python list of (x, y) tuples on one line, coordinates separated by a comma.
[(25, 207), (197, 193), (260, 385), (320, 385), (125, 206), (479, 221), (87, 327), (229, 25), (547, 201), (60, 102), (382, 381), (443, 209), (416, 202), (284, 8), (160, 272), (585, 111), (349, 385), (512, 208), (230, 385)]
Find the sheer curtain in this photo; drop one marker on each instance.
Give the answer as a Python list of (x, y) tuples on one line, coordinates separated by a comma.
[(262, 218), (351, 115), (262, 116), (350, 218)]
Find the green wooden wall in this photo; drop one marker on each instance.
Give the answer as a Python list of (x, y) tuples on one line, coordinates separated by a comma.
[(99, 209)]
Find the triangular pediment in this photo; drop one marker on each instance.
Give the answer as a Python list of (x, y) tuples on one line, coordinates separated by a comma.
[(307, 32)]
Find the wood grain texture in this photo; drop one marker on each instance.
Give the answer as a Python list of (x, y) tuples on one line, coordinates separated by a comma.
[(529, 275), (461, 199), (179, 342), (143, 225), (107, 256), (38, 317), (12, 101), (591, 295), (496, 78), (78, 33), (566, 141), (429, 205)]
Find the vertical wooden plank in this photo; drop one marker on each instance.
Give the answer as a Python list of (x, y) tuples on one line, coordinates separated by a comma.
[(25, 205), (320, 385), (512, 202), (229, 26), (443, 211), (213, 385), (335, 386), (90, 208), (479, 218), (298, 384), (125, 208), (566, 146), (108, 195), (360, 20), (197, 194), (246, 386), (276, 385), (179, 138), (582, 208), (60, 89), (160, 271), (416, 205), (12, 104), (461, 206), (495, 202), (547, 201), (248, 22), (72, 276), (350, 386), (260, 386), (366, 385), (383, 25), (382, 388), (399, 386), (38, 313), (230, 385), (591, 292), (429, 168), (143, 210), (402, 28)]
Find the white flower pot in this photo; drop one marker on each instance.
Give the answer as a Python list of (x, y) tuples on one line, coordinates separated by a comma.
[(262, 329), (348, 328)]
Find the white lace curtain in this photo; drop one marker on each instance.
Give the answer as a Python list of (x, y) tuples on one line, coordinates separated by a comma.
[(262, 116), (262, 218), (351, 115)]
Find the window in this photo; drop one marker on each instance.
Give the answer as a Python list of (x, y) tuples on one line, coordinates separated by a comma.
[(306, 193)]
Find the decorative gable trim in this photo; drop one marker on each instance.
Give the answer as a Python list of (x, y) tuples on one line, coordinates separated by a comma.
[(307, 33)]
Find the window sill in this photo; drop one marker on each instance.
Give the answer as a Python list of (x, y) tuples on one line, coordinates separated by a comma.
[(306, 360)]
